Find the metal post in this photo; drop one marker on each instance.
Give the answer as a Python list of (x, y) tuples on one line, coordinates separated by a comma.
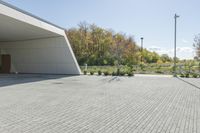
[(175, 17), (86, 67)]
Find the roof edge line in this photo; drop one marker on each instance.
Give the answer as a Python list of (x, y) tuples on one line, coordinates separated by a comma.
[(29, 14)]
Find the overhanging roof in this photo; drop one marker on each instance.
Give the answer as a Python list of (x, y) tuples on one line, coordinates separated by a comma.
[(29, 14), (18, 25), (14, 30)]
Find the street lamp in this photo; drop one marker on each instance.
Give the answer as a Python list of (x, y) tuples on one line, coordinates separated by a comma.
[(175, 17), (142, 39)]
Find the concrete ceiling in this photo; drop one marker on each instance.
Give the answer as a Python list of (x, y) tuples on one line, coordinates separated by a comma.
[(15, 30)]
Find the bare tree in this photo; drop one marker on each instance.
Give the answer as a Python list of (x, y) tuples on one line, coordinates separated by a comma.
[(197, 45)]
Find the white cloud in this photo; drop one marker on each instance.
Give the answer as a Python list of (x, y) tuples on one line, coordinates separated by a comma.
[(185, 49), (184, 41), (182, 52), (154, 48)]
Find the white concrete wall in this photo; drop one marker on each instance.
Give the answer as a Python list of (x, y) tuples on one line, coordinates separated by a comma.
[(0, 57), (50, 55)]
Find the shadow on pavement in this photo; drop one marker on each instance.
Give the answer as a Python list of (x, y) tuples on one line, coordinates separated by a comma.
[(116, 78), (14, 79), (110, 79), (189, 83)]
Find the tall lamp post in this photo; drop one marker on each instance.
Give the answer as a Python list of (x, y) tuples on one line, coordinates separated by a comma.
[(142, 39), (175, 17)]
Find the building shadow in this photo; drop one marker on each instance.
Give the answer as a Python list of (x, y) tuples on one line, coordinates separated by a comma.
[(14, 79), (187, 82)]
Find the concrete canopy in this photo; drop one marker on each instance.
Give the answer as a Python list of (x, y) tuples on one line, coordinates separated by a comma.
[(34, 45)]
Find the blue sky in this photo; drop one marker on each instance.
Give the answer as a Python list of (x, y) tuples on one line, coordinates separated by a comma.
[(152, 19)]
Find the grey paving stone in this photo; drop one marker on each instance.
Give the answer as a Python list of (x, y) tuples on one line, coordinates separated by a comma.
[(97, 104)]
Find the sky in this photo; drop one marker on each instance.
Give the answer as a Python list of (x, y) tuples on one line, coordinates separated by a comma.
[(151, 19)]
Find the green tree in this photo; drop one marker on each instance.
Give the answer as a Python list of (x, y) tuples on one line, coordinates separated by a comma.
[(97, 46), (197, 45), (165, 58)]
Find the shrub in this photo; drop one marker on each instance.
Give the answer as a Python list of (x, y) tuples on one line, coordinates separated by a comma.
[(85, 72), (159, 72), (182, 75), (99, 72), (118, 72), (194, 75), (106, 73), (122, 73), (91, 72), (114, 73), (130, 74), (142, 66), (187, 75)]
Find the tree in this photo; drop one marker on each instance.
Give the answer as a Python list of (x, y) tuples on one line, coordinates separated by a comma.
[(197, 45), (94, 45), (150, 57), (165, 58), (118, 48)]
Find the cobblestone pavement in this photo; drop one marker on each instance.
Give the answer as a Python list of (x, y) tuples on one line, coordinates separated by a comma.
[(92, 104)]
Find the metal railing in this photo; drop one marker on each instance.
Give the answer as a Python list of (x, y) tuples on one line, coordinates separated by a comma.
[(166, 69)]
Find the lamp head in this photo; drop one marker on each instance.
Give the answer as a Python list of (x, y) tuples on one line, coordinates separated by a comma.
[(176, 16)]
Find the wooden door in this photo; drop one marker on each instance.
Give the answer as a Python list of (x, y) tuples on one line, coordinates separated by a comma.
[(5, 63)]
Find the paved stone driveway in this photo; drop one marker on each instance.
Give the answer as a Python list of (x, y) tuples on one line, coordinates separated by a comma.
[(92, 104)]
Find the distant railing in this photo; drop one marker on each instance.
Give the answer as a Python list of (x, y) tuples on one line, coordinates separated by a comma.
[(150, 68)]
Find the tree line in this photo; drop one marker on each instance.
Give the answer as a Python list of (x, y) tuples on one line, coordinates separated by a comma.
[(96, 46)]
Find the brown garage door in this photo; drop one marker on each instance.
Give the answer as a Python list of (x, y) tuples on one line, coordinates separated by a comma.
[(5, 63)]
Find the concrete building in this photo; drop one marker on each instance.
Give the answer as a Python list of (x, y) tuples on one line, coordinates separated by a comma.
[(29, 44)]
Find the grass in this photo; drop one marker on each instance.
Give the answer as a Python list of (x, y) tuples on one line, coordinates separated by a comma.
[(166, 69)]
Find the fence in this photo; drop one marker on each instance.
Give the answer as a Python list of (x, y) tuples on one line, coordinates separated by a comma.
[(150, 68)]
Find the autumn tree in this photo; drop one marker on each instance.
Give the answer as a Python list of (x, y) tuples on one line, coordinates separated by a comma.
[(165, 58), (94, 45), (197, 45)]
